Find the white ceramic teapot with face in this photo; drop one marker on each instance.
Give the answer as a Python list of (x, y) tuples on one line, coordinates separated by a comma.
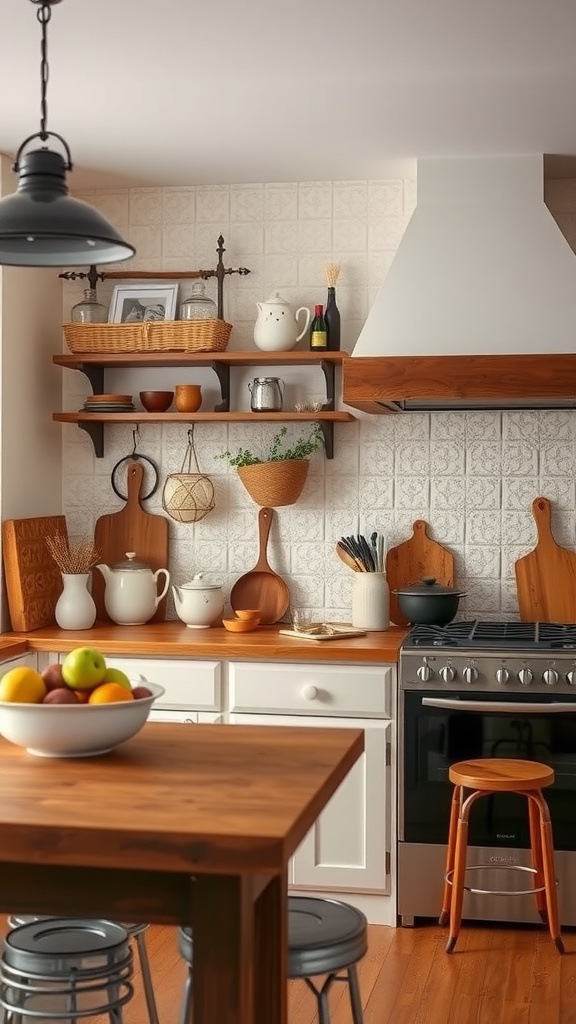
[(131, 593), (277, 327)]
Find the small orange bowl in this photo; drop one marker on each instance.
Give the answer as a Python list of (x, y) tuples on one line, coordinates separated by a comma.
[(156, 401), (239, 625), (248, 614)]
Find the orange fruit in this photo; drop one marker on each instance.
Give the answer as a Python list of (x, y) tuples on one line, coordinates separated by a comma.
[(22, 685), (110, 693)]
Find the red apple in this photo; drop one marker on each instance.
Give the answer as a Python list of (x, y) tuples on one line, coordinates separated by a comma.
[(61, 696), (141, 691), (52, 676)]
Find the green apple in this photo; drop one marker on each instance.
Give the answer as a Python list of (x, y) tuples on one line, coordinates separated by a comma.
[(83, 668), (116, 675)]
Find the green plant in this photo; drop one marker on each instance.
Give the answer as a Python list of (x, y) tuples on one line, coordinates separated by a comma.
[(300, 449)]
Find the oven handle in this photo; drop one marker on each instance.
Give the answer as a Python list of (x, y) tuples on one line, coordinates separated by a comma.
[(503, 706)]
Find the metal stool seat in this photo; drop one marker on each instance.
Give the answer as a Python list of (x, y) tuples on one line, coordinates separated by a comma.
[(324, 937), (486, 777), (65, 969), (136, 932)]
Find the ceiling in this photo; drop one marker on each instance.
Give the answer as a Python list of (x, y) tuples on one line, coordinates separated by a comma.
[(170, 92)]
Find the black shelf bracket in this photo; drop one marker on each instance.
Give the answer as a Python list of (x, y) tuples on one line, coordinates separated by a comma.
[(327, 428), (95, 375), (222, 371), (96, 433), (328, 369)]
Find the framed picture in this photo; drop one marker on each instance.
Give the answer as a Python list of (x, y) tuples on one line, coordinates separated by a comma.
[(133, 303)]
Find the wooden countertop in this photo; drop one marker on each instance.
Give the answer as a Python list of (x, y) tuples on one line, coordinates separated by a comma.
[(174, 639)]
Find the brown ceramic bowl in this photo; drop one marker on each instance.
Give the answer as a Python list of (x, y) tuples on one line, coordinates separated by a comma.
[(248, 615), (156, 401), (239, 625)]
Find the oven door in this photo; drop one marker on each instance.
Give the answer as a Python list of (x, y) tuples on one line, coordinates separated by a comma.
[(439, 729)]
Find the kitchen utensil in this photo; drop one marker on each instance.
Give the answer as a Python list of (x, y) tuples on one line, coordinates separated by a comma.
[(187, 397), (247, 613), (75, 730), (411, 561), (267, 394), (131, 529), (131, 590), (348, 559), (262, 588), (428, 603), (277, 328), (198, 603), (33, 579), (546, 577), (156, 401), (240, 625)]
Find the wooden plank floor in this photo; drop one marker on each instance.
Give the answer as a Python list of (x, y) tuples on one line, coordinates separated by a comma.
[(495, 976)]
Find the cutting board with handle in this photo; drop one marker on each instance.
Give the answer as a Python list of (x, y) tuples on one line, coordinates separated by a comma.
[(412, 561), (546, 576), (33, 580), (130, 529), (262, 588)]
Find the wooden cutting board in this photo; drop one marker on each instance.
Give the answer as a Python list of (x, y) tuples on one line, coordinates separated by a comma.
[(131, 529), (262, 588), (33, 580), (546, 577), (412, 561)]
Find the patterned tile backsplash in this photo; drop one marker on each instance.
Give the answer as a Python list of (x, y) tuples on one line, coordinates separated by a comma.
[(472, 476)]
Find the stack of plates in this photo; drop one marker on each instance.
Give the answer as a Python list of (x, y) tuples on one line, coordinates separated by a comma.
[(109, 403)]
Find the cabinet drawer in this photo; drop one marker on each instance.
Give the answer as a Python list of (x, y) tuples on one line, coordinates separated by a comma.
[(311, 689), (188, 684)]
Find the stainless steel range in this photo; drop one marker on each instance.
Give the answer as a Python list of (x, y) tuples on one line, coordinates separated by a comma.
[(484, 689)]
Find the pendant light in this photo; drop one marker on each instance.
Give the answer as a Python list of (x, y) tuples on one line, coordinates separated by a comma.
[(41, 225)]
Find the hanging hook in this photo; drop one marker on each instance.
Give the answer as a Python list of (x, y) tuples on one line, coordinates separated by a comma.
[(191, 435), (135, 439)]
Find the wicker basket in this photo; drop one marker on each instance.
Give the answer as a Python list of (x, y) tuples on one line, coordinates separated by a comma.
[(275, 483), (150, 336)]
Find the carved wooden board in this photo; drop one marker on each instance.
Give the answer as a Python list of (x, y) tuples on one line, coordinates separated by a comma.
[(414, 560), (33, 580), (546, 577)]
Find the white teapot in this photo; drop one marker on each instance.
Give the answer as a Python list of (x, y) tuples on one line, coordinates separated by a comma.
[(277, 326), (198, 603), (131, 593)]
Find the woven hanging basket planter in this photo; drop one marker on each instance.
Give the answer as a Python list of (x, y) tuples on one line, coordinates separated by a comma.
[(271, 484)]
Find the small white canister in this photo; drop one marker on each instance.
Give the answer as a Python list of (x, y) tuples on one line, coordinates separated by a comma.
[(370, 601)]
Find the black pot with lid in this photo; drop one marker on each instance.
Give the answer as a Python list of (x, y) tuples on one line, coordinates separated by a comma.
[(429, 603)]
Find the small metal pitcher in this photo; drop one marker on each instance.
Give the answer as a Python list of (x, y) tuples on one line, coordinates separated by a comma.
[(267, 394)]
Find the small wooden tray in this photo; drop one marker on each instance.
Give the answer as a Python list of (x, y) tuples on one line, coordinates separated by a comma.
[(341, 633)]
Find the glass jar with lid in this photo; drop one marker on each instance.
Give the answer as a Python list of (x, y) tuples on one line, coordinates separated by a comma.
[(198, 306), (89, 310)]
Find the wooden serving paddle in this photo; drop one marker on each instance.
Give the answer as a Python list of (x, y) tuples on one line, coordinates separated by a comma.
[(131, 529), (262, 588), (546, 577), (412, 561)]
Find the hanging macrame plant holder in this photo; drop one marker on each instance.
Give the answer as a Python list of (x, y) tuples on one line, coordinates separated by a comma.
[(188, 496)]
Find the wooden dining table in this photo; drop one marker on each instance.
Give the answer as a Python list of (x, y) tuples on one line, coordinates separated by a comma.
[(179, 825)]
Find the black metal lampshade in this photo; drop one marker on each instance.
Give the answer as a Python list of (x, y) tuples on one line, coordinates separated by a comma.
[(42, 225)]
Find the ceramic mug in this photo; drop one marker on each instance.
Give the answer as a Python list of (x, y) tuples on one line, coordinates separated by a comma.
[(187, 397)]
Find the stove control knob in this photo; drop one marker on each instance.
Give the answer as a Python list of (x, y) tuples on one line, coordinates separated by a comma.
[(470, 673), (571, 677), (502, 675), (447, 673), (424, 673), (525, 676), (550, 676)]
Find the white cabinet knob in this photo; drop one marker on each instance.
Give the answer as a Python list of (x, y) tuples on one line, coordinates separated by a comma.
[(310, 692)]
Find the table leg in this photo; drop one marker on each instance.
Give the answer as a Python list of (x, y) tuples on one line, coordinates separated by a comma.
[(240, 951)]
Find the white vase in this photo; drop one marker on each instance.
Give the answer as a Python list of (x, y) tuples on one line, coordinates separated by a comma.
[(75, 608), (370, 601)]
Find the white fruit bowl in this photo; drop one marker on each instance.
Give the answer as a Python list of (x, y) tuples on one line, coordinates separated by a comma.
[(74, 730)]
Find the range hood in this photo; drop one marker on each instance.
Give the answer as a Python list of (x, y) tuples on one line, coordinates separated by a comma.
[(478, 309)]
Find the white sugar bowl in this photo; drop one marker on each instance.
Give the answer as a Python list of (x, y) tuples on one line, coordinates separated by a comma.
[(198, 603)]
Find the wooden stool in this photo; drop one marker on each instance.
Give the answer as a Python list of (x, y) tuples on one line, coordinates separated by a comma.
[(501, 775)]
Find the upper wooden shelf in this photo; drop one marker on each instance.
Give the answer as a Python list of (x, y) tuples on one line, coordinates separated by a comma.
[(93, 365)]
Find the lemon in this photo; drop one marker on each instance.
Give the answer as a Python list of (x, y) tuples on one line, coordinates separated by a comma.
[(22, 685)]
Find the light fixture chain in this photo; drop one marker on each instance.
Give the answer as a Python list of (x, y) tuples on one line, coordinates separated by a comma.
[(44, 14)]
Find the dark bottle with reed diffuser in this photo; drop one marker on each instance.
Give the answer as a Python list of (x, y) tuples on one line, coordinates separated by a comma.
[(332, 313)]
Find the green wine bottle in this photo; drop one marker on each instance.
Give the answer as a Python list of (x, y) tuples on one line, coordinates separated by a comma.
[(318, 332)]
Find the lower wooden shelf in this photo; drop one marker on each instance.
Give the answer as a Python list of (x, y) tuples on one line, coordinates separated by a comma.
[(94, 423)]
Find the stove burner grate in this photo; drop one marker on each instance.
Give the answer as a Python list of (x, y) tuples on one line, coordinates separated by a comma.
[(511, 635)]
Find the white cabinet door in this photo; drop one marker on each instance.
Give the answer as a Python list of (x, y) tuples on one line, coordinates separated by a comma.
[(188, 684), (29, 660), (186, 717), (349, 846)]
